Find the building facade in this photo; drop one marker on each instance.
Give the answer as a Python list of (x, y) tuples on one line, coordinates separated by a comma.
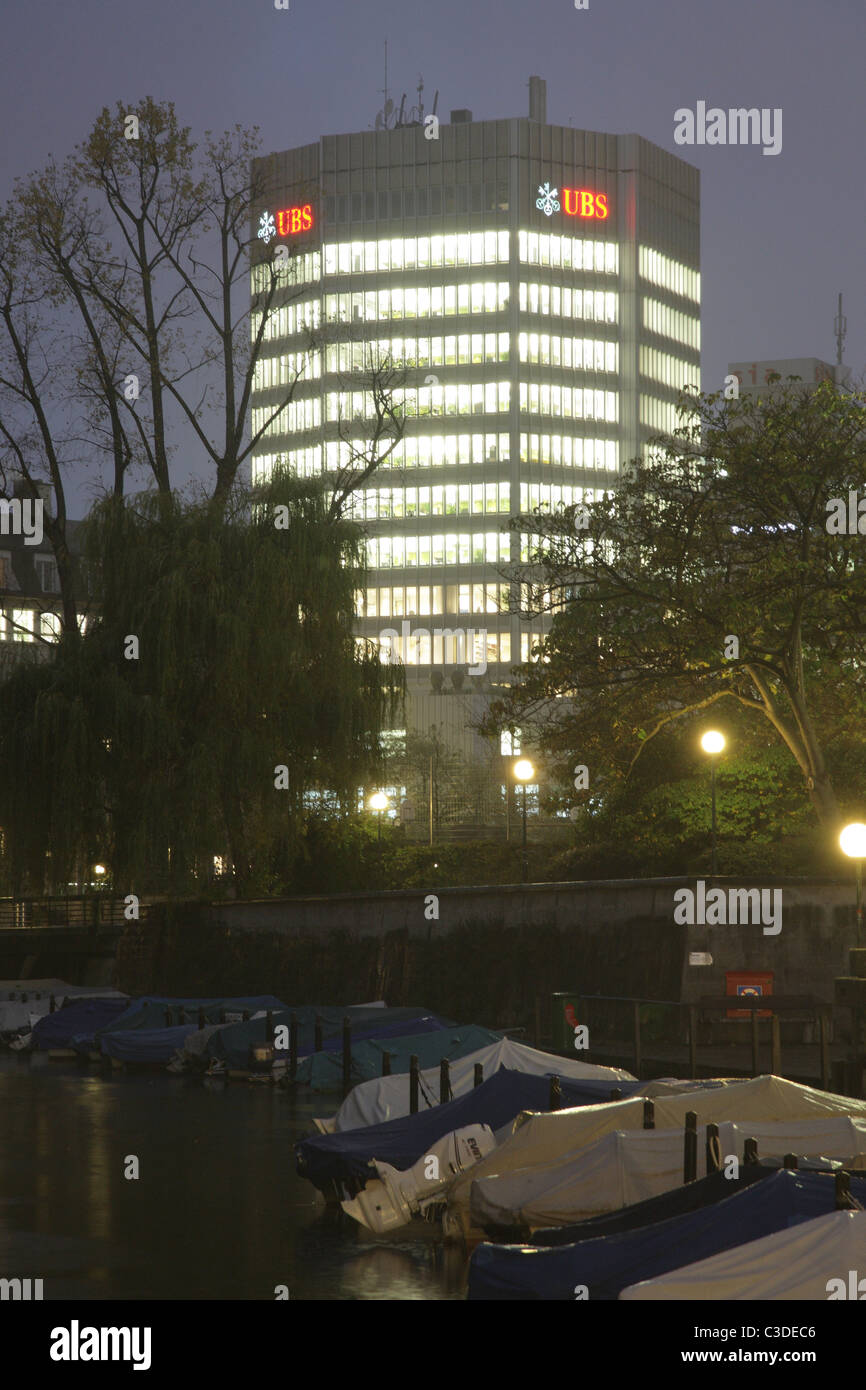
[(540, 287)]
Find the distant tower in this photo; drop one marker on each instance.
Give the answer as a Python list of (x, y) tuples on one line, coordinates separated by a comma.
[(840, 328)]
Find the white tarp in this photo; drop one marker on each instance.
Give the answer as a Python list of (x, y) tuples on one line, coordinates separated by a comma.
[(17, 1014), (541, 1139), (814, 1260), (386, 1097), (632, 1165)]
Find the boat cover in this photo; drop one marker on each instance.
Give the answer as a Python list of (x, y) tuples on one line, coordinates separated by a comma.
[(386, 1097), (629, 1166), (17, 1013), (605, 1266), (232, 1044), (797, 1264), (78, 1021), (149, 1010), (152, 1045), (539, 1140), (402, 1141), (324, 1070)]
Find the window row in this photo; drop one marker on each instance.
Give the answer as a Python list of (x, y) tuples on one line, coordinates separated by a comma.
[(553, 495), (668, 274), (417, 202), (410, 600), (460, 349), (446, 647), (480, 398), (571, 253), (286, 369), (671, 323), (298, 268), (670, 371), (453, 548), (601, 306), (449, 499), (410, 253), (663, 416), (570, 402), (564, 451), (289, 319), (427, 451), (295, 415), (577, 354), (28, 624), (417, 302)]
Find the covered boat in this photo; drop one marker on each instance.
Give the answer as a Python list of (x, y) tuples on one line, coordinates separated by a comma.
[(539, 1140), (323, 1071), (602, 1268), (813, 1260), (76, 1025), (232, 1044)]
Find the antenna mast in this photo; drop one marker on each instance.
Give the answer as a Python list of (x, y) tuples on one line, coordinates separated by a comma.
[(840, 328)]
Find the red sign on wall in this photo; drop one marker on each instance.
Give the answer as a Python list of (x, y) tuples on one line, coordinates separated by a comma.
[(578, 202), (299, 219)]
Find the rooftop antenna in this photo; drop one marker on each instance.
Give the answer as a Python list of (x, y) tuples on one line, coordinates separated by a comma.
[(383, 116), (840, 328)]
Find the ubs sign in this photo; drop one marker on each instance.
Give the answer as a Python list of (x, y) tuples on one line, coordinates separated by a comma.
[(576, 202)]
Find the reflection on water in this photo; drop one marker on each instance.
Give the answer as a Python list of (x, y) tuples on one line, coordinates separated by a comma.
[(217, 1211)]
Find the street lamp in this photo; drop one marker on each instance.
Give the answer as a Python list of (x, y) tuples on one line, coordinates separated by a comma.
[(713, 742), (853, 843), (524, 772), (379, 802)]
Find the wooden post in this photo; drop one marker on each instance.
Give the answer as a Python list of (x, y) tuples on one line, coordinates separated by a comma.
[(168, 1018), (245, 1016), (649, 1115), (790, 1162), (479, 1073), (713, 1149), (317, 1034), (293, 1046), (201, 1019), (413, 1085), (750, 1151), (555, 1094), (222, 1016), (444, 1081), (843, 1191), (690, 1147), (755, 1071), (824, 1036), (538, 1020), (347, 1056), (386, 1064), (775, 1046), (637, 1058), (693, 1042), (269, 1026), (52, 1004), (616, 1093)]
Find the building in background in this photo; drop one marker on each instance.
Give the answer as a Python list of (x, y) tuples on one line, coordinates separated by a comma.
[(755, 377), (541, 285)]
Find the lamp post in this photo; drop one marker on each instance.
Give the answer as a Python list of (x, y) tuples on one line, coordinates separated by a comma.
[(379, 802), (524, 772), (713, 742), (853, 843)]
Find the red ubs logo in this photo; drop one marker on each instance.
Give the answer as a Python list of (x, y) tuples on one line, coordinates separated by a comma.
[(578, 202), (291, 220)]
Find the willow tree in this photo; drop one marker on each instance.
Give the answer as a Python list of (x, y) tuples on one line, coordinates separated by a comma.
[(719, 570), (219, 693)]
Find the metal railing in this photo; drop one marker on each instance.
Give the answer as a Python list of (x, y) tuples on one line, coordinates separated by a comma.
[(90, 911)]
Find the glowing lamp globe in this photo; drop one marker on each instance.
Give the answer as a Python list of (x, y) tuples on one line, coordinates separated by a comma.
[(523, 770), (853, 840), (713, 741)]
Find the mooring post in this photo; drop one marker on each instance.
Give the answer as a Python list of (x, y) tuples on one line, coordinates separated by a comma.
[(200, 1019), (168, 1018), (713, 1149), (755, 1071), (52, 1004), (750, 1151), (843, 1191), (245, 1016), (790, 1161), (347, 1055), (690, 1147), (444, 1081), (649, 1115), (775, 1045), (413, 1085), (386, 1064), (317, 1034), (479, 1073), (824, 1036), (637, 1058), (693, 1043), (293, 1046), (616, 1093), (555, 1094), (222, 1018), (269, 1026)]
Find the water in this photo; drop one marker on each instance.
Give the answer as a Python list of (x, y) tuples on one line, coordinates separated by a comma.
[(217, 1212)]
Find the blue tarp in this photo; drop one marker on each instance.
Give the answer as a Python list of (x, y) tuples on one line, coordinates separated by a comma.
[(232, 1044), (609, 1264), (324, 1070), (401, 1141), (77, 1021), (152, 1045), (150, 1010)]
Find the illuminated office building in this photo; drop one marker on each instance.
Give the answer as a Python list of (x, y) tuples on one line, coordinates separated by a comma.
[(542, 286)]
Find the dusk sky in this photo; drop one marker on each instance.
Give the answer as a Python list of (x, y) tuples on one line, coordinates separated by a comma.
[(781, 234)]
